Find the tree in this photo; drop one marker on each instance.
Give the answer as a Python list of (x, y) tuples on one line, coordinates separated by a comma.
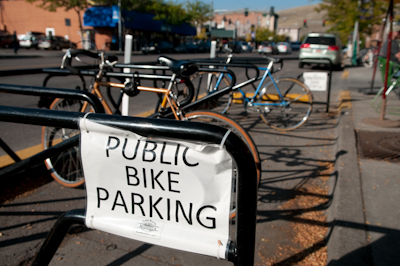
[(170, 13), (199, 12), (263, 34), (342, 14)]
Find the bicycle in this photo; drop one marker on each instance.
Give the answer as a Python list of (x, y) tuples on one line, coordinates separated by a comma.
[(216, 80), (66, 168), (284, 103)]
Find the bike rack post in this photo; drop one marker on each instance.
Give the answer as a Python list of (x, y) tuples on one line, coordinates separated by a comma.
[(329, 80), (47, 92), (240, 252)]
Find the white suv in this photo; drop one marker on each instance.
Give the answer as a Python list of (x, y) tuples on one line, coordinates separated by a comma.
[(319, 46)]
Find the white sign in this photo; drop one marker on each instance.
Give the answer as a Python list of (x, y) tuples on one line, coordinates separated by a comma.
[(164, 192), (316, 81)]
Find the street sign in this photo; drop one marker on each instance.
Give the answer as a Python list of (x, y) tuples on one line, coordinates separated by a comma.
[(160, 191), (316, 81)]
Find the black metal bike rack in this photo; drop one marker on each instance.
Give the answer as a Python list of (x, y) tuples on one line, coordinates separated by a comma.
[(48, 92), (329, 79), (240, 252)]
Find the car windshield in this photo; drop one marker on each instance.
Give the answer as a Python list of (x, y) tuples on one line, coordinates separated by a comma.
[(321, 40)]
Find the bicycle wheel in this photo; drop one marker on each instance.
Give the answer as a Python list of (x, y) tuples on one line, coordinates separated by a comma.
[(226, 122), (209, 83), (65, 168), (289, 111)]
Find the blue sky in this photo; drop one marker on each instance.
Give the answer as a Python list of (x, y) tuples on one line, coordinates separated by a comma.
[(262, 5)]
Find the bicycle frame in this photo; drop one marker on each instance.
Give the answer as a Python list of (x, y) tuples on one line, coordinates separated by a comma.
[(256, 93), (167, 95)]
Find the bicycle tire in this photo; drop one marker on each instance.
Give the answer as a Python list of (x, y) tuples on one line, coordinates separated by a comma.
[(293, 109), (218, 119), (220, 104), (65, 168)]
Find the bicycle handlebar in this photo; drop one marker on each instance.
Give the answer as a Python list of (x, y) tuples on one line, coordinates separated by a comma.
[(67, 59)]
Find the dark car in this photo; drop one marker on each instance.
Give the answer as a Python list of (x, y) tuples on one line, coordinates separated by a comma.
[(203, 46), (6, 41), (186, 47), (267, 47), (236, 46), (158, 47), (295, 45), (55, 43)]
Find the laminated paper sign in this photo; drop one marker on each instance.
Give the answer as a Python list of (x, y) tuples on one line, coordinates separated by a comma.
[(161, 191), (316, 81)]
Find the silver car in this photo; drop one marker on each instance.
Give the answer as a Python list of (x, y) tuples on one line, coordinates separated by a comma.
[(284, 47), (317, 47)]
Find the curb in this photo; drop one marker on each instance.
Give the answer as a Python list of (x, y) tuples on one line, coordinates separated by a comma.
[(345, 217)]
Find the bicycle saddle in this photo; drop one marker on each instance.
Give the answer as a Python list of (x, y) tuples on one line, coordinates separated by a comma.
[(178, 67)]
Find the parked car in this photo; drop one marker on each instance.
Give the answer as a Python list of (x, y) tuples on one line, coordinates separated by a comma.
[(321, 45), (203, 46), (55, 43), (6, 41), (157, 47), (295, 45), (236, 46), (31, 40), (246, 48), (186, 47), (284, 47), (267, 47)]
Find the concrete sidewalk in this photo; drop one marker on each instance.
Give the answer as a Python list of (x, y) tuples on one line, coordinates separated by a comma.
[(365, 214)]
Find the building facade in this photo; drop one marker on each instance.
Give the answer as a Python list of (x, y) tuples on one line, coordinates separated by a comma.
[(244, 22), (23, 17)]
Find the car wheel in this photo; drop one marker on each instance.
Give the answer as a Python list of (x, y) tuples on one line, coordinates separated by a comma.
[(301, 65), (57, 47)]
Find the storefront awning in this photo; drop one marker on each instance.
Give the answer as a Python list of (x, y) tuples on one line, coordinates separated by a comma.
[(108, 17)]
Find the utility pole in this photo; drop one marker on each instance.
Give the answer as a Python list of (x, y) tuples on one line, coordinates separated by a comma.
[(119, 27), (211, 18)]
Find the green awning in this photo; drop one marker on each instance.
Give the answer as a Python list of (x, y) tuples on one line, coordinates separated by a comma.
[(222, 33)]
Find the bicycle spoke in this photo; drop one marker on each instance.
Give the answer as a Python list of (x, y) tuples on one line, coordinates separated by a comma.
[(293, 109)]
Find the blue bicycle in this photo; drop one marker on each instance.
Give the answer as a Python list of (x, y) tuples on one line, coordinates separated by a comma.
[(284, 103)]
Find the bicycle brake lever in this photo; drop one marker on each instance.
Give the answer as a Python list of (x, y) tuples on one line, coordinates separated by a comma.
[(66, 55)]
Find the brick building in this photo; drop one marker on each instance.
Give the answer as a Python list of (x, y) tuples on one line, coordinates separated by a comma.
[(22, 17)]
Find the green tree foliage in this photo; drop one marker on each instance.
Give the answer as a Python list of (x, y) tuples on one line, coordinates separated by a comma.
[(264, 34), (170, 12), (199, 12), (342, 14)]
